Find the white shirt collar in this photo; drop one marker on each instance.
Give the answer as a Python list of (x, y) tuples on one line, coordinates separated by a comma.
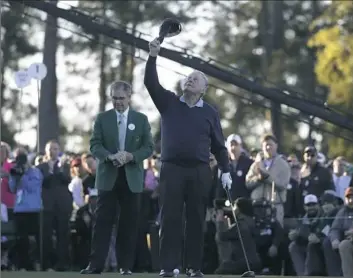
[(197, 104), (125, 113)]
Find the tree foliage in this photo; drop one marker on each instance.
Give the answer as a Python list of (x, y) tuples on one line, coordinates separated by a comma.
[(15, 45), (238, 39), (332, 39)]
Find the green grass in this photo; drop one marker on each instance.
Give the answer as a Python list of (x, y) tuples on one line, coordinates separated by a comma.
[(19, 274)]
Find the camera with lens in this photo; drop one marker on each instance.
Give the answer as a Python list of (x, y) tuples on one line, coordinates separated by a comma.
[(265, 213), (265, 218), (223, 204), (20, 165)]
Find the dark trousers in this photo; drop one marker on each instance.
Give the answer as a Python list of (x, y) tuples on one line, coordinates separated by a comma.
[(179, 186), (108, 203), (143, 256), (59, 220), (27, 224)]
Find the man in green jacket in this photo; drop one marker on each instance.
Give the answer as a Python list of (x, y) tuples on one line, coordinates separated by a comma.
[(121, 141)]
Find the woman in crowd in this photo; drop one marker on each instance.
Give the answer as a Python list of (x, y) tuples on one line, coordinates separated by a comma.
[(75, 186), (26, 182), (7, 197)]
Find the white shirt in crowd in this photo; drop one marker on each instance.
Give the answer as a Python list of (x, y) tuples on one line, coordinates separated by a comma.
[(4, 218), (341, 183), (4, 215), (76, 189)]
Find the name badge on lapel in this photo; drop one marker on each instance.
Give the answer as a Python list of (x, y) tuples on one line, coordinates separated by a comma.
[(131, 127)]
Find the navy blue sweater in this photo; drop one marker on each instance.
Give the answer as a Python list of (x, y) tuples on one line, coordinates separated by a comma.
[(188, 134)]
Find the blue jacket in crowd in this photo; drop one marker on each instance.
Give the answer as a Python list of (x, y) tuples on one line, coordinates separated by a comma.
[(28, 190)]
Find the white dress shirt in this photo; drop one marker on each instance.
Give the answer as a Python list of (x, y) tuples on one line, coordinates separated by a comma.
[(76, 189), (122, 125), (341, 183)]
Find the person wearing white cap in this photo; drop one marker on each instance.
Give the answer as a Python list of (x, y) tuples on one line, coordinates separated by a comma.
[(239, 167), (234, 138), (305, 248)]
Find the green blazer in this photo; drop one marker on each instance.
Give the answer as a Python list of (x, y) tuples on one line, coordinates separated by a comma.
[(105, 141)]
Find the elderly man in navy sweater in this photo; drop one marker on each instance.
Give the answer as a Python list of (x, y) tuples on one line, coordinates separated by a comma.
[(190, 131)]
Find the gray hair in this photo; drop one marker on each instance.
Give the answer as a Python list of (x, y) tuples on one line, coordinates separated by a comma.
[(121, 85), (204, 78)]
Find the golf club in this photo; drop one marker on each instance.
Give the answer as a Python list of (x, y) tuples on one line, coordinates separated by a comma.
[(248, 273)]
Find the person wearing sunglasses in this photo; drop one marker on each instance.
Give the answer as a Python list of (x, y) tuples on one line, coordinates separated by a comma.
[(315, 179)]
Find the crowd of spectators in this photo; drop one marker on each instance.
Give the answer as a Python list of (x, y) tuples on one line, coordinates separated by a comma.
[(295, 213)]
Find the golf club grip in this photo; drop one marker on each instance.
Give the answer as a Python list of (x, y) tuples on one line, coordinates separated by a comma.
[(229, 196), (249, 273), (227, 190)]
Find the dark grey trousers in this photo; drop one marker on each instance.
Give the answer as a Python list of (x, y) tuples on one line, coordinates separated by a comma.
[(307, 259), (332, 259), (179, 186)]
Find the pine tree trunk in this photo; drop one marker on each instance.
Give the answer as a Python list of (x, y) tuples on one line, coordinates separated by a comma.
[(48, 109)]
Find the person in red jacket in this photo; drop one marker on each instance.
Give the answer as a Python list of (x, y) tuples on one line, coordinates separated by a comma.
[(7, 197)]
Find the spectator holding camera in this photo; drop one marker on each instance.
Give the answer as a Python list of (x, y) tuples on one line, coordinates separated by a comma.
[(341, 233), (269, 236), (26, 182), (235, 263)]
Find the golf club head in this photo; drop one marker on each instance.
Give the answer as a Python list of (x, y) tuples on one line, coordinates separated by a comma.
[(169, 28), (248, 274)]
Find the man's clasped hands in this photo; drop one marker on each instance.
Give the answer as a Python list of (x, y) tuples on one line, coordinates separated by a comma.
[(120, 158)]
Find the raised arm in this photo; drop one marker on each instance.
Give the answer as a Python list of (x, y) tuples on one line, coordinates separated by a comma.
[(252, 177), (160, 96)]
